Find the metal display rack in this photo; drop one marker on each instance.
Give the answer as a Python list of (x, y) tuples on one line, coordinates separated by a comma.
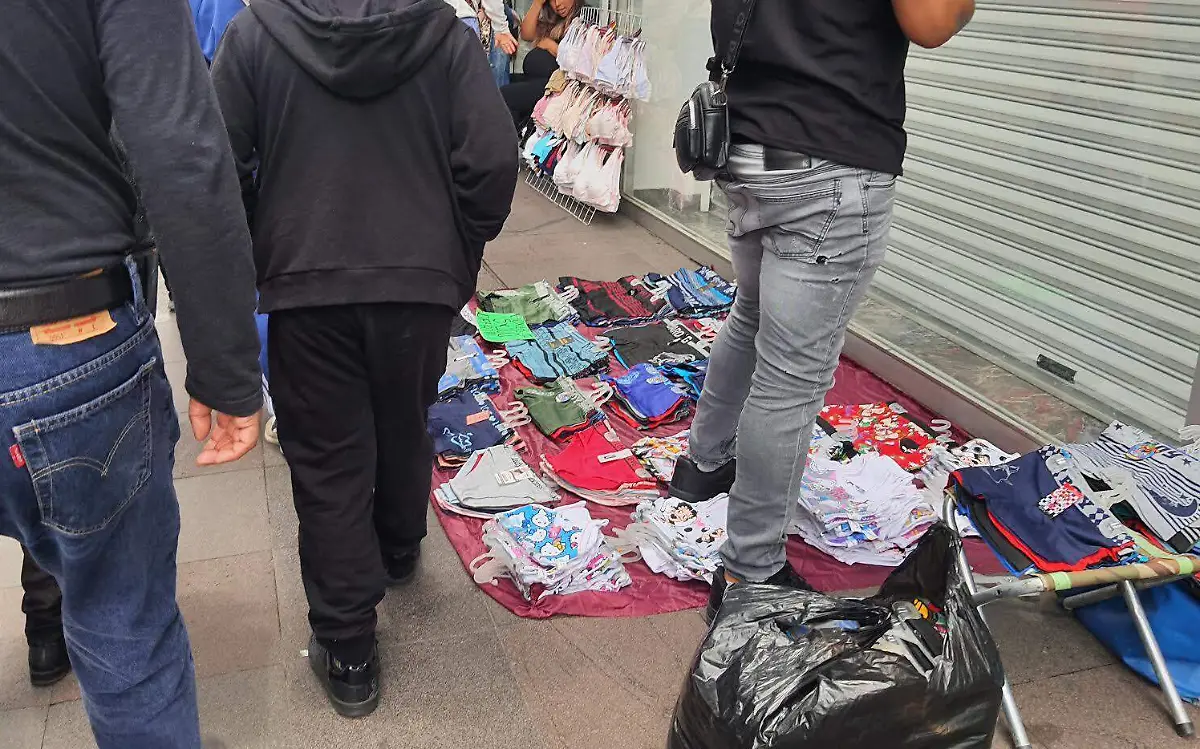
[(627, 24)]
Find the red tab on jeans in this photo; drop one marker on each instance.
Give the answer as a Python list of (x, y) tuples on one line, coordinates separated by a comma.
[(18, 458)]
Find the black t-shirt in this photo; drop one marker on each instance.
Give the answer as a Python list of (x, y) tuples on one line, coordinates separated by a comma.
[(820, 77)]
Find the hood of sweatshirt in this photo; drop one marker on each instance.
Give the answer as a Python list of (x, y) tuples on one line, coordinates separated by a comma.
[(358, 49)]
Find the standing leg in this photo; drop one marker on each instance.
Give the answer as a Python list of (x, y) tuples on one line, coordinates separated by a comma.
[(713, 437), (42, 606), (321, 393), (108, 537), (406, 354), (824, 231)]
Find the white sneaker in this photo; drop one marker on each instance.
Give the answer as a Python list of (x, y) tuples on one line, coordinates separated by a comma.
[(270, 433)]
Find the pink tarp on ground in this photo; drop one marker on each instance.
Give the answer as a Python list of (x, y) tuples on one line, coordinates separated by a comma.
[(656, 594)]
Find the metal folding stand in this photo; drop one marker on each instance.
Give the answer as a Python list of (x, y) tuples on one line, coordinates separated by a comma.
[(1103, 584)]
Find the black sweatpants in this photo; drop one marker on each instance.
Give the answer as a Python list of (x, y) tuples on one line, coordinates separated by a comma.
[(351, 386), (42, 603)]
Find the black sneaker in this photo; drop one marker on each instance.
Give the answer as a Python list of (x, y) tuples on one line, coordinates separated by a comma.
[(693, 485), (48, 662), (787, 577), (353, 690), (402, 567)]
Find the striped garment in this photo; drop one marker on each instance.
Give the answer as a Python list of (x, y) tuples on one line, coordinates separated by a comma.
[(1165, 486)]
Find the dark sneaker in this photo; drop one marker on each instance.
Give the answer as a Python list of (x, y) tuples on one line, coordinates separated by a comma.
[(787, 577), (693, 485), (402, 567), (48, 662), (353, 690)]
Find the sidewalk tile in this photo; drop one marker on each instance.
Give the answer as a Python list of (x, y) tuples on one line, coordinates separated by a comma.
[(231, 611), (224, 514), (23, 729)]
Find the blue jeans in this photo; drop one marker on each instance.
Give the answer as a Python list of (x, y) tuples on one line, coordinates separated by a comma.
[(91, 440), (497, 58), (805, 245)]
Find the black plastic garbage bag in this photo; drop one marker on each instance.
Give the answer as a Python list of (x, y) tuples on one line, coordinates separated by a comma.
[(773, 674)]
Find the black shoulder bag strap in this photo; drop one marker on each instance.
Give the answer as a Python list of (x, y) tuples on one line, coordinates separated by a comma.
[(720, 70)]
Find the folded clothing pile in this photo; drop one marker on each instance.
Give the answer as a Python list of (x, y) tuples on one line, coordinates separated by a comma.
[(677, 539), (492, 481), (690, 376), (695, 293), (557, 350), (626, 301), (1037, 512), (537, 303), (865, 511), (560, 409), (597, 467), (668, 342), (660, 454), (469, 368), (886, 429), (946, 460), (550, 552), (644, 398), (465, 423), (1159, 483)]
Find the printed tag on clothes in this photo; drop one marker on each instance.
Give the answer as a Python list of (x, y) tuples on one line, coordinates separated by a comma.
[(1060, 500), (477, 418), (620, 455), (77, 329)]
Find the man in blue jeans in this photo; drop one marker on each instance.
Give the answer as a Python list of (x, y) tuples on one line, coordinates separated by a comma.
[(84, 399), (816, 105)]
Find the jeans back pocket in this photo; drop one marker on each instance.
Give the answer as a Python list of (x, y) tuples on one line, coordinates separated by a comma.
[(88, 463)]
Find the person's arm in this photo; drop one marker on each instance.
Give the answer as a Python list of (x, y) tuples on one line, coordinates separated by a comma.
[(932, 23), (483, 148), (231, 80), (499, 17), (163, 104), (530, 22), (549, 45)]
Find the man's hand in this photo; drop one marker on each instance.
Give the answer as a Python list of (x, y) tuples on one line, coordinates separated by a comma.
[(507, 43), (229, 437)]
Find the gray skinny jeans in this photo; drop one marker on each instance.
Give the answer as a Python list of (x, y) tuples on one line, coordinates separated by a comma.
[(805, 245)]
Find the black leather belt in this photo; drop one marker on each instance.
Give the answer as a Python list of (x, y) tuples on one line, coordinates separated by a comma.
[(24, 308), (779, 159)]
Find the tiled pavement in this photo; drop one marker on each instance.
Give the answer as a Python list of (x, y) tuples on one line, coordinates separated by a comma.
[(461, 671)]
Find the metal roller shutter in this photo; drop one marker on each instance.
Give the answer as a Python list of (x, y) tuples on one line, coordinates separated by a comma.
[(1050, 208)]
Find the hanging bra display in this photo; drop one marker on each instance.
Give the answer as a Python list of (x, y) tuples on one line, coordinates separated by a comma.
[(583, 126), (612, 63)]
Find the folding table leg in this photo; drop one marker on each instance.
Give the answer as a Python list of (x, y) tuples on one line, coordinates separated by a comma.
[(1183, 723), (1012, 715)]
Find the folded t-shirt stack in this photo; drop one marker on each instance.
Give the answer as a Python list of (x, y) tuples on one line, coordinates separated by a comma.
[(644, 398), (597, 467), (626, 301), (537, 303), (469, 368), (660, 454), (1158, 482), (548, 551), (690, 376), (865, 511), (492, 481), (560, 409), (668, 342), (1036, 512), (886, 429), (695, 293), (465, 423), (557, 350), (677, 539)]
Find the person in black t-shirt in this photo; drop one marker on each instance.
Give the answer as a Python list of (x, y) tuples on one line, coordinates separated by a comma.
[(816, 106)]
